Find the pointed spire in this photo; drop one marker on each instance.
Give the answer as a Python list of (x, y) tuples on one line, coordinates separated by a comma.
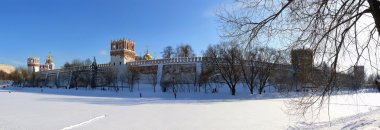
[(94, 60)]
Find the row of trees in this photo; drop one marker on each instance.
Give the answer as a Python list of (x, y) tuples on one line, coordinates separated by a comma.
[(108, 76), (78, 62), (18, 76), (336, 31), (249, 65), (183, 50), (131, 75)]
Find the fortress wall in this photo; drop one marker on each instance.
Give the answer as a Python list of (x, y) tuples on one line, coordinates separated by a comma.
[(173, 70), (147, 74), (180, 73)]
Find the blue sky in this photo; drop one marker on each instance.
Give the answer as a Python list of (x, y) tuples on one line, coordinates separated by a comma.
[(71, 29)]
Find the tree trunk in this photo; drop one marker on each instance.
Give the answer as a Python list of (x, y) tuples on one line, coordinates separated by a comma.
[(233, 91), (374, 7), (261, 90), (205, 88)]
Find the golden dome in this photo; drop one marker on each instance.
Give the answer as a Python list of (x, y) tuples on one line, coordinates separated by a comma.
[(147, 56)]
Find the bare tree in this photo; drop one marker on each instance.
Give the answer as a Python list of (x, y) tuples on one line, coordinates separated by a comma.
[(153, 77), (268, 60), (32, 79), (185, 50), (123, 79), (225, 58), (132, 76), (249, 67), (370, 80), (77, 62), (109, 76), (168, 52), (74, 79), (377, 83), (94, 73), (88, 78), (332, 29), (19, 76), (206, 77), (165, 85), (87, 61), (82, 78)]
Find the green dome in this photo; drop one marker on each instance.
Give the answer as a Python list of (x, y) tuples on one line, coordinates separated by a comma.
[(50, 59)]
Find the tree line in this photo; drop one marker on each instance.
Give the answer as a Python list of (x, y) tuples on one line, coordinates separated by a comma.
[(183, 50), (252, 66), (18, 76)]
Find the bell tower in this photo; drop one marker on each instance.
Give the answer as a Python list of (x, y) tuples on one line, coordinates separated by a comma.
[(49, 64), (122, 51), (33, 64)]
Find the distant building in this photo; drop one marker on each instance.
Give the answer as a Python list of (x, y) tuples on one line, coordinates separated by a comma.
[(7, 68), (358, 71), (302, 59), (35, 66), (49, 64), (302, 62), (358, 75)]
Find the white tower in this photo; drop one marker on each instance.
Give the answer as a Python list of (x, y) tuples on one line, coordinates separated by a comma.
[(33, 64)]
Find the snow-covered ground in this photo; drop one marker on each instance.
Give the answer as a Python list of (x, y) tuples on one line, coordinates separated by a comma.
[(366, 121), (33, 109)]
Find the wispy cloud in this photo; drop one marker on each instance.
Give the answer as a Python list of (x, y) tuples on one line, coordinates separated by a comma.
[(12, 62), (212, 11), (103, 53)]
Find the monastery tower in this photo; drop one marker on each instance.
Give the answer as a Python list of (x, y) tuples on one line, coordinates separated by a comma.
[(33, 64), (122, 51), (49, 64)]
